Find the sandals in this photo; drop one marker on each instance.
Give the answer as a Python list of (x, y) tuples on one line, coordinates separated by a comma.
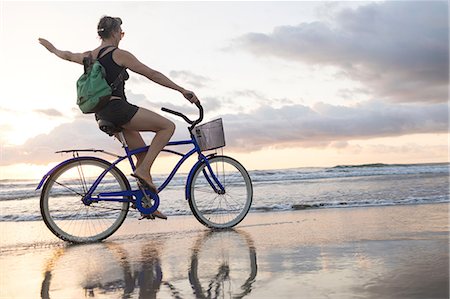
[(155, 214), (159, 215), (145, 185)]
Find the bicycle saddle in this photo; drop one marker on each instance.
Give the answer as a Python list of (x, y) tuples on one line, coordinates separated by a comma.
[(108, 127)]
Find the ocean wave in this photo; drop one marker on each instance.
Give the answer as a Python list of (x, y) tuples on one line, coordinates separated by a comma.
[(279, 207), (378, 165), (25, 189), (350, 171), (362, 165)]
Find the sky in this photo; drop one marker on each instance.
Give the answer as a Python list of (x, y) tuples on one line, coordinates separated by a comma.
[(297, 84)]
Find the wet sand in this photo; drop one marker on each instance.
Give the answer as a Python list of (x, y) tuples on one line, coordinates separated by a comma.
[(375, 252)]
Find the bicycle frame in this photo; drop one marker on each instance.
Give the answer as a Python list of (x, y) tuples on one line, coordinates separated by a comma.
[(119, 196), (184, 157)]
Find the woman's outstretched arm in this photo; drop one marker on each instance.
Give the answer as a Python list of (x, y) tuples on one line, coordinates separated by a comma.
[(128, 60), (66, 55)]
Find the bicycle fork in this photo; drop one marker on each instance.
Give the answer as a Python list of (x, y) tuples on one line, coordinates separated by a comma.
[(213, 178)]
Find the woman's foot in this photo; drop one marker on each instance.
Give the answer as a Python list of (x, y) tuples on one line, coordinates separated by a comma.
[(152, 216), (146, 182), (159, 215)]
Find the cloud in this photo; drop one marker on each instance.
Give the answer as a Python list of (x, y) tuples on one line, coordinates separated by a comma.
[(398, 49), (6, 110), (187, 77), (211, 104), (329, 125), (50, 112), (261, 98), (190, 78), (320, 125), (81, 133), (291, 125)]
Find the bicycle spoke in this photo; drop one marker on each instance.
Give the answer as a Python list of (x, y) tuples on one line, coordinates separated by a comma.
[(82, 178), (70, 189), (209, 191)]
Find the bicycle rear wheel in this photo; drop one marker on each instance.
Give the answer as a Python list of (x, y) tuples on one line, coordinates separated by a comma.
[(63, 210), (216, 210)]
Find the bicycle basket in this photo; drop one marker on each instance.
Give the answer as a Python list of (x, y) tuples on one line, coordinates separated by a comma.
[(210, 135)]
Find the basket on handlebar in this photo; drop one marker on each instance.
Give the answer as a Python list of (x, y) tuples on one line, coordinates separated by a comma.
[(210, 135)]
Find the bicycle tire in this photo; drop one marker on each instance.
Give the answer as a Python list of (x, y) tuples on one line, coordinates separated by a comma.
[(67, 216), (221, 211)]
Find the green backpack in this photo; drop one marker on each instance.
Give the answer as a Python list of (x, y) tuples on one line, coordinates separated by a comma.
[(93, 91)]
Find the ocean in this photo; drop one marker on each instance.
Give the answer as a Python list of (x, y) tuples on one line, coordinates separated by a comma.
[(285, 189)]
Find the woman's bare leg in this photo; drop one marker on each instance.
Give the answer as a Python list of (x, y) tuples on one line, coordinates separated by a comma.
[(134, 141), (146, 120)]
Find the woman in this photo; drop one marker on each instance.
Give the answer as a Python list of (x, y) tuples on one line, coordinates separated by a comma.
[(131, 118)]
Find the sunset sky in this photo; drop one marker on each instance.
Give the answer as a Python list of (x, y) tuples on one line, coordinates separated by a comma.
[(298, 84)]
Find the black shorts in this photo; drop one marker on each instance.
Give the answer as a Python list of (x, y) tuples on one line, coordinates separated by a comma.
[(117, 111)]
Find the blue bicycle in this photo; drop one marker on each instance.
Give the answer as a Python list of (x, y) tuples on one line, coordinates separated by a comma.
[(86, 198)]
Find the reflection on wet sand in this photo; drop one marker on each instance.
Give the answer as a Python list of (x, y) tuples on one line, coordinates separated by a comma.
[(72, 271), (222, 264), (349, 253)]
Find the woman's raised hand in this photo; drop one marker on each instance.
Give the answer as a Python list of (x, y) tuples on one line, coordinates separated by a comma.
[(48, 45)]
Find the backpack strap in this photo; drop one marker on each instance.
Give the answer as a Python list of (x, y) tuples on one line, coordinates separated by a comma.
[(87, 62), (121, 75), (119, 79), (102, 50)]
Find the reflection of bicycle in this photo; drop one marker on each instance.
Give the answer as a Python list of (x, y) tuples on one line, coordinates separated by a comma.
[(223, 264), (107, 273), (86, 199), (220, 268)]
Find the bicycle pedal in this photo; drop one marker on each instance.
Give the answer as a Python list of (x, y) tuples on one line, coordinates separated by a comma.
[(146, 197)]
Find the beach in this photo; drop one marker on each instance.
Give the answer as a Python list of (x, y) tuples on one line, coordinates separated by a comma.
[(397, 251)]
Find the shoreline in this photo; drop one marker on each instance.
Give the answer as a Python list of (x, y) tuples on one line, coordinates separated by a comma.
[(293, 208), (132, 218)]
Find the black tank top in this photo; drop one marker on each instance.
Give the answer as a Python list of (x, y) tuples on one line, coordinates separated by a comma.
[(112, 72)]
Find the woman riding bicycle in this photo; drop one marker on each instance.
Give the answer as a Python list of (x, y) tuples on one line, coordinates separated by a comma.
[(131, 118)]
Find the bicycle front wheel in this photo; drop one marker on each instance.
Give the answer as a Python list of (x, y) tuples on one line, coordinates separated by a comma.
[(220, 209), (63, 210)]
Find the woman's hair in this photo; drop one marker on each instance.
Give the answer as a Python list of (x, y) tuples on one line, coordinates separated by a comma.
[(107, 26)]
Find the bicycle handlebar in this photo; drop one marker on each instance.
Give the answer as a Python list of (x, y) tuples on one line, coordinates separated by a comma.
[(193, 123)]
